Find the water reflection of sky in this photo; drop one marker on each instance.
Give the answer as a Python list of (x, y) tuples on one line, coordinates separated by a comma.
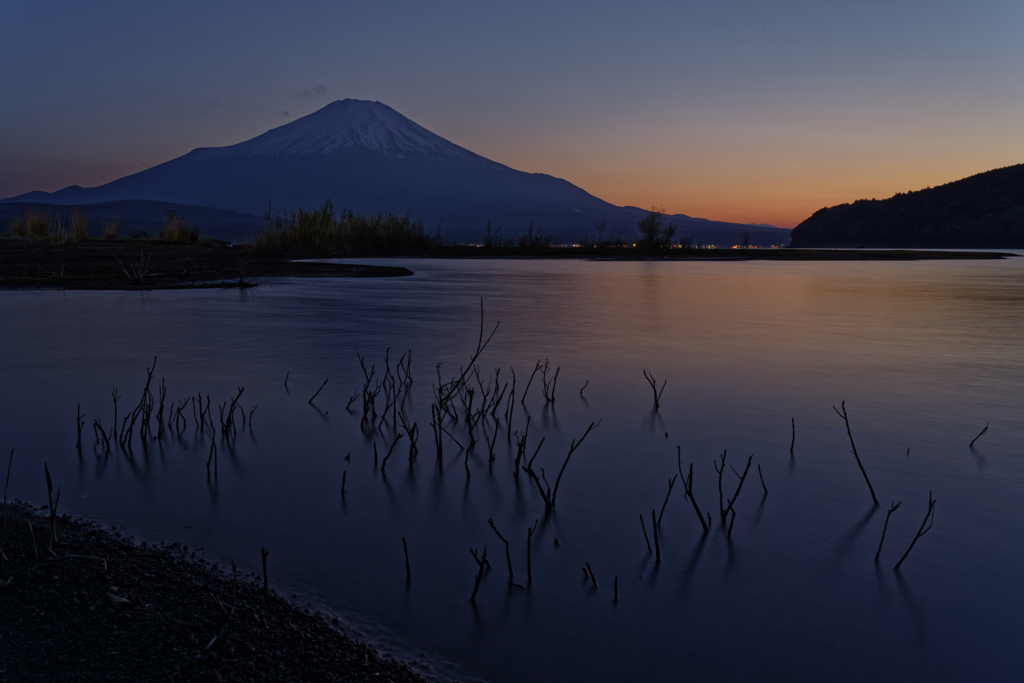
[(924, 354)]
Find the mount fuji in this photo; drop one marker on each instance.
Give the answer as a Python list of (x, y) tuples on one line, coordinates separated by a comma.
[(368, 158)]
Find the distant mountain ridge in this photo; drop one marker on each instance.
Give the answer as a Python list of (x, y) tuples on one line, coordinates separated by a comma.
[(983, 210), (368, 158)]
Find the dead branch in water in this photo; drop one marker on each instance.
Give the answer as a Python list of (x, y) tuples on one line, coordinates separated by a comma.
[(654, 387), (657, 544), (644, 527), (926, 526), (547, 388), (481, 562), (52, 504), (508, 555), (739, 487), (671, 483), (892, 508), (408, 573), (846, 419), (721, 498), (978, 436), (572, 449), (79, 421), (688, 489), (529, 563), (310, 401), (536, 369), (394, 443)]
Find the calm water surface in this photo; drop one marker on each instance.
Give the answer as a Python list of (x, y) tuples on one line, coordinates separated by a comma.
[(925, 354)]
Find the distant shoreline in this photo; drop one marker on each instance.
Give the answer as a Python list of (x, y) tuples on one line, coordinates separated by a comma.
[(134, 264), (128, 264)]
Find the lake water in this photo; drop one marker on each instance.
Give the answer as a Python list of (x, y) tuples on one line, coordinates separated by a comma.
[(924, 354)]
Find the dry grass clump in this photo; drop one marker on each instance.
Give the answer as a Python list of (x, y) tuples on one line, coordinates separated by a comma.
[(35, 223), (320, 233), (111, 229), (177, 229), (79, 224)]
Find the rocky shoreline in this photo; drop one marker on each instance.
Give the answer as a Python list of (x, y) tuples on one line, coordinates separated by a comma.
[(99, 606)]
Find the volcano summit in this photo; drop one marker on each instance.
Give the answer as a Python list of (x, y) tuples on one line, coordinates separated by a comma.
[(368, 158)]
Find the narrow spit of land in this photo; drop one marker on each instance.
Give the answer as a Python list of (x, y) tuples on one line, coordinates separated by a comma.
[(151, 264), (102, 607), (154, 264)]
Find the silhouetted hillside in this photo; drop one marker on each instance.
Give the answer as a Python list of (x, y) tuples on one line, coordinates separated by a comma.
[(984, 210)]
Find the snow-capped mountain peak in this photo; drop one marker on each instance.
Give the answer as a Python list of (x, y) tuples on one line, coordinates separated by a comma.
[(349, 123)]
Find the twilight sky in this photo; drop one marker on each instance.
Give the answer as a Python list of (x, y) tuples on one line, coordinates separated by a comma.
[(740, 110)]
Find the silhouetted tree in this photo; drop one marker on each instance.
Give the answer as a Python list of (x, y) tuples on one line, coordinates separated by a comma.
[(655, 233)]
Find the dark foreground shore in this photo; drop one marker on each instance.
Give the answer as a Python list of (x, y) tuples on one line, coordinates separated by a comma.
[(150, 264), (155, 264), (101, 607)]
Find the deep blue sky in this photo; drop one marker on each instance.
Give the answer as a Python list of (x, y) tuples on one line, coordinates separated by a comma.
[(727, 109)]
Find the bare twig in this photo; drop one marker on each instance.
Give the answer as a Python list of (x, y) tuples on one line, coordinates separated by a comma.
[(657, 544), (408, 573), (390, 450), (671, 483), (508, 556), (575, 444), (739, 487), (926, 526), (688, 489), (79, 421), (648, 540), (529, 562), (892, 508), (318, 391), (52, 502), (846, 419), (977, 437), (481, 562), (654, 387)]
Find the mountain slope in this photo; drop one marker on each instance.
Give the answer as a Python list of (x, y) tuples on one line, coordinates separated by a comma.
[(983, 210), (368, 158)]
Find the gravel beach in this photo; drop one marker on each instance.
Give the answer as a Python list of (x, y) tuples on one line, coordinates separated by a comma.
[(99, 606)]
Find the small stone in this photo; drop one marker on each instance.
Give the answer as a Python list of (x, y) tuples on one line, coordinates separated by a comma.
[(117, 601)]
